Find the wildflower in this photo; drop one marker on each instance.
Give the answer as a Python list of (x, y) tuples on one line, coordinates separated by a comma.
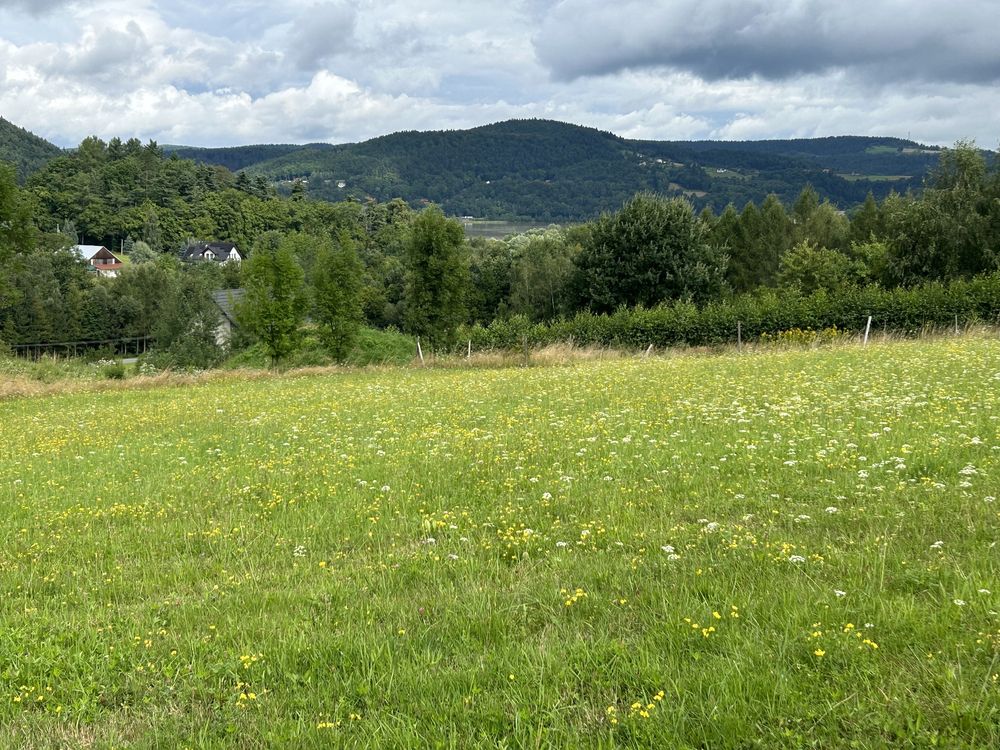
[(839, 594), (959, 602), (820, 653), (796, 559)]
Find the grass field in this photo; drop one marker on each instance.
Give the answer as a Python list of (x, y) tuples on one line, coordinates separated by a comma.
[(780, 550)]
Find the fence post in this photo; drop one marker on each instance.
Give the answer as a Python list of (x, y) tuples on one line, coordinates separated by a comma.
[(420, 352), (868, 329), (739, 336)]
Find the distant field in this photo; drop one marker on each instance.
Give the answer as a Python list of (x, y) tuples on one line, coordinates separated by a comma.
[(875, 177), (780, 550), (497, 229)]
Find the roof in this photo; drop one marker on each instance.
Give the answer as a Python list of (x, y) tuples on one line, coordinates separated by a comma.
[(86, 252), (227, 299), (221, 250)]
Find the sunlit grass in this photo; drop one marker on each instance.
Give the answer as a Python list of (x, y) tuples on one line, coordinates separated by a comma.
[(783, 549)]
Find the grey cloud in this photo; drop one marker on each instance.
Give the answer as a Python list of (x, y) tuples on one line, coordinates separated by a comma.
[(107, 55), (320, 32), (34, 7), (720, 39)]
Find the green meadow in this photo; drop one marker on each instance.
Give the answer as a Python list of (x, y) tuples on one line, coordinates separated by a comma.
[(784, 549)]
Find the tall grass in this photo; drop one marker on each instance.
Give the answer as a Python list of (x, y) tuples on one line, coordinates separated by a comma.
[(785, 549)]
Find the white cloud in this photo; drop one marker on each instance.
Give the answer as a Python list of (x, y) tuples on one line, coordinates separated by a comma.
[(186, 71)]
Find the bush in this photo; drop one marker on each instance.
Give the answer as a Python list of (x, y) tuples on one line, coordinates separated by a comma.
[(765, 314), (112, 370)]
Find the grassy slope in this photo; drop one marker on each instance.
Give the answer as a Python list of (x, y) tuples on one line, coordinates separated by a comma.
[(483, 557)]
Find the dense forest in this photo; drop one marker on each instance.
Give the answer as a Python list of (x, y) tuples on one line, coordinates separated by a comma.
[(550, 171), (545, 171), (24, 150), (384, 264)]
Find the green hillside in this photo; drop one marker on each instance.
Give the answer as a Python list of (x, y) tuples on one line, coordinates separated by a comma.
[(542, 170), (235, 157), (25, 150)]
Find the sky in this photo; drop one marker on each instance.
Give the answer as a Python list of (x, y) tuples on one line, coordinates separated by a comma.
[(204, 73)]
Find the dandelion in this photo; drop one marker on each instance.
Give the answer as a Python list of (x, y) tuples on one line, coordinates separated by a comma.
[(819, 653)]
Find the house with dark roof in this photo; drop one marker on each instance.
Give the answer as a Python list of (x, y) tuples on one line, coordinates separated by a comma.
[(218, 252), (226, 300)]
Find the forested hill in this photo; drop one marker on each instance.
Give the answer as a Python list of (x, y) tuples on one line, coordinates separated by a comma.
[(25, 150), (542, 170), (236, 158), (552, 171)]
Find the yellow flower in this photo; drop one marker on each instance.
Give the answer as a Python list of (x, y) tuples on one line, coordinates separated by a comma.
[(819, 652)]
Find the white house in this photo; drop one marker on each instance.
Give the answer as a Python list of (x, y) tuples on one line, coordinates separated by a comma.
[(219, 252), (103, 261)]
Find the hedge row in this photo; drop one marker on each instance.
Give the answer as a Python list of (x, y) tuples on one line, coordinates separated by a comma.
[(898, 310)]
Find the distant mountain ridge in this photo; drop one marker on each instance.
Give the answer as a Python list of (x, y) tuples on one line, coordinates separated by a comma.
[(25, 150), (544, 170)]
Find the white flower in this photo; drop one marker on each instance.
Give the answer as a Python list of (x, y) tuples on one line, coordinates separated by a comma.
[(960, 602), (796, 559), (839, 593), (711, 526), (832, 509), (562, 544), (385, 488), (937, 545), (429, 540), (667, 548), (984, 591), (452, 556), (673, 557), (299, 551), (546, 496)]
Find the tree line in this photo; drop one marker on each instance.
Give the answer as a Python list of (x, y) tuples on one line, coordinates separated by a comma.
[(333, 267)]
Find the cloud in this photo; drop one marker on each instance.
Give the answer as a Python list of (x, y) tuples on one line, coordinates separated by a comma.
[(891, 40), (252, 71), (320, 32), (34, 7)]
